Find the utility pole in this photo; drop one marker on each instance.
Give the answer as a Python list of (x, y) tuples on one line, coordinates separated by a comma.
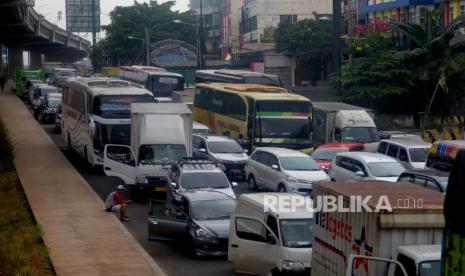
[(94, 22), (147, 47), (336, 34), (201, 39)]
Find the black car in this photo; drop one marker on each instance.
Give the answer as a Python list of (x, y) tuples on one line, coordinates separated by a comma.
[(431, 179), (200, 221)]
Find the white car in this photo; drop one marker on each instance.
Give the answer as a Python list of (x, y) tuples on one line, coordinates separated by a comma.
[(356, 166), (283, 170)]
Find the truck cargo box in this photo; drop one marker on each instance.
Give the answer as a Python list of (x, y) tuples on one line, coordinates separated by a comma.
[(416, 217)]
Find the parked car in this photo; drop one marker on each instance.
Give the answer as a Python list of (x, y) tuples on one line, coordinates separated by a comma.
[(275, 242), (201, 129), (431, 179), (29, 87), (33, 89), (222, 150), (200, 221), (325, 153), (356, 166), (283, 170), (58, 120), (49, 108), (383, 135), (191, 174), (410, 151)]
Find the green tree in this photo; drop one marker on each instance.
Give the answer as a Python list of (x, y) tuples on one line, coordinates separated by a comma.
[(132, 20), (308, 40), (435, 60)]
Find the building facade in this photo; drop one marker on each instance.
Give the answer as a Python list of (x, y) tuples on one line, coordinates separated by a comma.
[(211, 21), (230, 21), (376, 11), (259, 18)]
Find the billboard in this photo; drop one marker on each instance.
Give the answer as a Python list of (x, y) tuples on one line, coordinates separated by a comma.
[(79, 15)]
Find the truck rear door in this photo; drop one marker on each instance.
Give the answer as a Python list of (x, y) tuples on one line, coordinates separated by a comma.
[(119, 161)]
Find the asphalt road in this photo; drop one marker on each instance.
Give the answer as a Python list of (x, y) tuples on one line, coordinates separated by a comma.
[(171, 257)]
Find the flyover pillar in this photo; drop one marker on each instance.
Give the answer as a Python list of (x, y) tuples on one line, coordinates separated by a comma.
[(36, 58), (15, 60)]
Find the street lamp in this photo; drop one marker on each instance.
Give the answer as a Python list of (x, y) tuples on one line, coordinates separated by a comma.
[(146, 42), (200, 42)]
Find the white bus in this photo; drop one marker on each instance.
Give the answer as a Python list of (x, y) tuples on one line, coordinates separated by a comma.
[(158, 80), (96, 112)]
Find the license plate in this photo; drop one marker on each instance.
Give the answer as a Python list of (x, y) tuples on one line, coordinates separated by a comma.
[(160, 189)]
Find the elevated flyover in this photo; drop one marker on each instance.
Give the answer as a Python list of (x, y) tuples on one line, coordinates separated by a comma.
[(23, 29)]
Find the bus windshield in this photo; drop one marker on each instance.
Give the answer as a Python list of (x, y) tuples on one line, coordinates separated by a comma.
[(272, 81), (117, 106), (163, 86), (280, 120), (283, 127)]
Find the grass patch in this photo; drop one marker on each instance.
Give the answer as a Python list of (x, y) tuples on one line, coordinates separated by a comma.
[(22, 251)]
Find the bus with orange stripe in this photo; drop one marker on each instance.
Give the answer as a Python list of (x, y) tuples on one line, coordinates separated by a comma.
[(264, 116)]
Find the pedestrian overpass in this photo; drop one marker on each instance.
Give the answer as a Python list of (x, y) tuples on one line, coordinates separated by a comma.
[(23, 29)]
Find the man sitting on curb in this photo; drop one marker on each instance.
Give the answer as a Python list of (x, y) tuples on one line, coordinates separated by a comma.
[(115, 203)]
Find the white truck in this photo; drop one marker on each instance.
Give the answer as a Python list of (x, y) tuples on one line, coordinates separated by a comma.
[(341, 122), (161, 134), (407, 215)]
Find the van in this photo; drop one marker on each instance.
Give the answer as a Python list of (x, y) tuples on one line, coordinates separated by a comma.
[(411, 152), (442, 154), (264, 238)]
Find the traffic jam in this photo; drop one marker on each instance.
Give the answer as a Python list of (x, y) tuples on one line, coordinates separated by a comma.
[(328, 192)]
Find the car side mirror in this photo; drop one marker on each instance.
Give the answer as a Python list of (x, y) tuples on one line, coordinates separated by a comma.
[(234, 184), (270, 238), (202, 150), (275, 167), (360, 173)]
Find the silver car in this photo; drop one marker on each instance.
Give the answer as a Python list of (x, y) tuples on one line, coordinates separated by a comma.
[(357, 166), (410, 151), (283, 170), (222, 150)]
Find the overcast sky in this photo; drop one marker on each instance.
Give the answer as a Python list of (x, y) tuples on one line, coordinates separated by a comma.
[(50, 9)]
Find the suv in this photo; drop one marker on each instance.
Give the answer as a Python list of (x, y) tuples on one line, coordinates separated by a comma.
[(221, 150), (431, 179), (200, 220), (283, 170), (189, 174), (410, 151), (356, 166)]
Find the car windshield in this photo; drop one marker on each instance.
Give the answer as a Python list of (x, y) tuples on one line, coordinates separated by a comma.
[(429, 268), (299, 164), (213, 209), (326, 154), (386, 169), (296, 233), (224, 147), (53, 103), (418, 155), (360, 134), (161, 154), (194, 180)]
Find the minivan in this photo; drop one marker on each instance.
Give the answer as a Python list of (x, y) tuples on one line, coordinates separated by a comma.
[(266, 239), (411, 152)]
